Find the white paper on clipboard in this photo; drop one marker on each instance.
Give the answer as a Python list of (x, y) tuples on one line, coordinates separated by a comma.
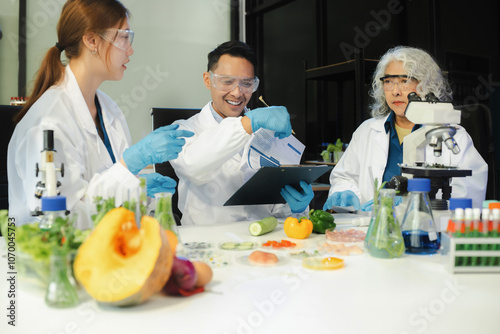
[(266, 150)]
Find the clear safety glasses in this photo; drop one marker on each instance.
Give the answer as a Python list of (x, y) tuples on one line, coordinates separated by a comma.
[(120, 38), (227, 83), (404, 82)]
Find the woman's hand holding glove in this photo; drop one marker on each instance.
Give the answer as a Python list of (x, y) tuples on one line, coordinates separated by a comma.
[(342, 198), (297, 200), (157, 183), (274, 118), (161, 145)]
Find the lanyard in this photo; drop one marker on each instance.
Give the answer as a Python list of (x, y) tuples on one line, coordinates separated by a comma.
[(105, 134)]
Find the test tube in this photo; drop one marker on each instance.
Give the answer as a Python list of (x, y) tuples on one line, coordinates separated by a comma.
[(483, 229), (467, 234), (458, 220), (495, 220), (476, 219)]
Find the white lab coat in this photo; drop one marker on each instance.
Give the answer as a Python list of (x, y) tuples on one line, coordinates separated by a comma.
[(89, 170), (210, 170), (369, 149)]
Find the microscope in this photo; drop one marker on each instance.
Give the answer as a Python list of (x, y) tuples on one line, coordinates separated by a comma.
[(436, 119), (48, 186)]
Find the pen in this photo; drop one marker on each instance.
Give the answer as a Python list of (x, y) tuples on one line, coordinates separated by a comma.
[(267, 105)]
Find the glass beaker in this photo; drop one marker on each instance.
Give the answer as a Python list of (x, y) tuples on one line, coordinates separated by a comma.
[(61, 290), (165, 216), (418, 227), (384, 239)]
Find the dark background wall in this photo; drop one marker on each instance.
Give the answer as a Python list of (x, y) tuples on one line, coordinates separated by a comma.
[(296, 38)]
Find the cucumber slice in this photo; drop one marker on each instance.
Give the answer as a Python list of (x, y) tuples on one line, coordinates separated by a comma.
[(263, 226), (247, 243), (245, 246), (228, 245)]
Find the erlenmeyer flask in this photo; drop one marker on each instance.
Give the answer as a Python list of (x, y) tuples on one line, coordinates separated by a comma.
[(384, 239), (418, 227)]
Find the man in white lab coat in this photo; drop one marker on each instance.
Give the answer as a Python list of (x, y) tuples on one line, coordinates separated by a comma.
[(210, 167), (376, 146)]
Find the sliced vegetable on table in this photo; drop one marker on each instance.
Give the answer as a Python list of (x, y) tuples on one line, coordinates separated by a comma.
[(279, 244), (121, 264)]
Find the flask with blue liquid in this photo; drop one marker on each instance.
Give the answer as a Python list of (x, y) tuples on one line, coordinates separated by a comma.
[(419, 229)]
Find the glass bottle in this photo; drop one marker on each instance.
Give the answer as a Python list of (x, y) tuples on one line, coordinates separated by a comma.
[(418, 227), (61, 290), (384, 239), (53, 207), (165, 216)]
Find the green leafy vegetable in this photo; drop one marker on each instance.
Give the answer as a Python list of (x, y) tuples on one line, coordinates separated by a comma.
[(335, 147)]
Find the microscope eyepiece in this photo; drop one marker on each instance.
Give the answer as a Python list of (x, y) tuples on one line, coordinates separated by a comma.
[(431, 98), (413, 97), (48, 140)]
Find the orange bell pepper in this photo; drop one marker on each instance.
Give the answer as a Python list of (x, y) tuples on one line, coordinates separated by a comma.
[(298, 229)]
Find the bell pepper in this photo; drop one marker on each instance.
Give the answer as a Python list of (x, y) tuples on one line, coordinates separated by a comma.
[(321, 221), (298, 229)]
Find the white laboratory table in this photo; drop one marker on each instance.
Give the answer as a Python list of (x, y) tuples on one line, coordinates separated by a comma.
[(412, 294)]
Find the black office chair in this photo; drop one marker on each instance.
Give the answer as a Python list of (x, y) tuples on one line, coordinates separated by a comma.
[(476, 119), (7, 113), (166, 116)]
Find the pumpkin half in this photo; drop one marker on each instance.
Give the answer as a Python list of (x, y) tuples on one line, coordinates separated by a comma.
[(123, 265)]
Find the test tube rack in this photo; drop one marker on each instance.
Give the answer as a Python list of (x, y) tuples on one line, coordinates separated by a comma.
[(451, 254)]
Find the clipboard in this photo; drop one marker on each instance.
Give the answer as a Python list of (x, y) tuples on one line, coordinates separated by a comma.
[(265, 185)]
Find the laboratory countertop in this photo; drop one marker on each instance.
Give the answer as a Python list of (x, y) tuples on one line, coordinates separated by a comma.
[(411, 294)]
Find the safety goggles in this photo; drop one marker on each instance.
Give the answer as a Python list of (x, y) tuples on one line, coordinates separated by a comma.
[(227, 83), (404, 82), (120, 38)]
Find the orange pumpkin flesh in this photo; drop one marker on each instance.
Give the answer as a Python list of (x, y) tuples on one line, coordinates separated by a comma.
[(122, 265)]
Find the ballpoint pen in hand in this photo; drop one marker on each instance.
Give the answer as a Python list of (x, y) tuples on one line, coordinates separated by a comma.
[(267, 105)]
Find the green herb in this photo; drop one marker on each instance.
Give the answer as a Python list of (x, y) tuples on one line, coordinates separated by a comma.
[(376, 192), (384, 238), (335, 147), (103, 206), (163, 213)]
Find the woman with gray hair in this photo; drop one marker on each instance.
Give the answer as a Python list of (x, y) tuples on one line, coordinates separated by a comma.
[(376, 147)]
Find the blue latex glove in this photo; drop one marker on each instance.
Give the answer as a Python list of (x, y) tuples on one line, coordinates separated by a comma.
[(275, 119), (297, 200), (368, 206), (157, 183), (342, 198), (159, 146)]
